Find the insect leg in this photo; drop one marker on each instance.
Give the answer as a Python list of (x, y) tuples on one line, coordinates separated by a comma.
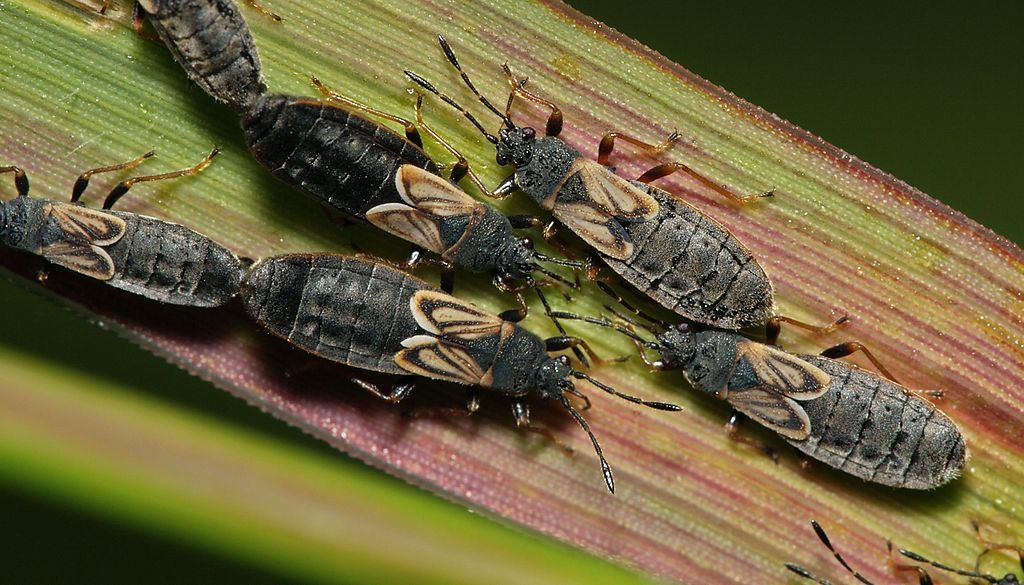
[(410, 129), (461, 168), (845, 349), (417, 259), (604, 149), (399, 390), (774, 327), (82, 182), (666, 169), (625, 304), (991, 546), (20, 179), (896, 567), (521, 412), (138, 16), (554, 123), (567, 341), (472, 405), (118, 191), (259, 8), (732, 430)]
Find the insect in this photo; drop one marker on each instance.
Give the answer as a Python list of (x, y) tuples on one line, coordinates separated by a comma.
[(370, 173), (842, 415), (156, 259), (923, 577), (210, 40), (664, 247), (371, 316)]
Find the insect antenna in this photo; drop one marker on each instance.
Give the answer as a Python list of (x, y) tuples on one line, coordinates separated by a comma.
[(807, 574), (422, 82), (547, 311), (973, 574), (611, 292), (450, 54), (559, 261), (825, 540), (606, 469), (605, 322), (555, 276), (648, 403)]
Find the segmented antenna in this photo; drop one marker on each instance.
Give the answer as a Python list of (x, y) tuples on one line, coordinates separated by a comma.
[(824, 539), (973, 574), (606, 470), (450, 54), (422, 82), (605, 322), (649, 403), (547, 311)]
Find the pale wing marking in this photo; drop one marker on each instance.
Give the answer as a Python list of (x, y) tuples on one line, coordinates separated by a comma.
[(617, 196), (441, 361), (86, 259), (432, 194), (409, 224), (783, 415), (596, 228), (443, 314), (95, 227), (786, 373)]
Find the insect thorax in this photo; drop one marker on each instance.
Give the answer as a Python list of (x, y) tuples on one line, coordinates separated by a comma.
[(21, 220), (712, 360), (543, 174), (491, 246)]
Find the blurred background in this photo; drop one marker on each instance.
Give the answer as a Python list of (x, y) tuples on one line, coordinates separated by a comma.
[(934, 96)]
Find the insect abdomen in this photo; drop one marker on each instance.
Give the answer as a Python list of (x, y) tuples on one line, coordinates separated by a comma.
[(340, 158), (343, 309), (173, 264), (692, 265), (211, 41), (870, 427)]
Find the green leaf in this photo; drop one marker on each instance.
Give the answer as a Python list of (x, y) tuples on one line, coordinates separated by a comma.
[(935, 294)]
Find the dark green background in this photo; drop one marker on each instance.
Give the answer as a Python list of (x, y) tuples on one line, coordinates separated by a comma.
[(934, 96)]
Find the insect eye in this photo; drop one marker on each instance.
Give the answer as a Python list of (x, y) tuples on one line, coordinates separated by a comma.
[(529, 133), (526, 243)]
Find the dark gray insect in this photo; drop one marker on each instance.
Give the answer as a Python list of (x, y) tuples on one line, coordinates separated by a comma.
[(664, 247), (370, 173), (368, 315), (152, 258), (923, 577), (842, 415), (210, 40)]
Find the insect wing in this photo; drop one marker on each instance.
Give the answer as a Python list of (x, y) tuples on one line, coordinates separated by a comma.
[(434, 358), (432, 194), (782, 372), (447, 316), (616, 195), (602, 232), (779, 413), (90, 225), (83, 258), (408, 223)]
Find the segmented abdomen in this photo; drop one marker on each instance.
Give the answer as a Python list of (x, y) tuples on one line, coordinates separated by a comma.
[(173, 264), (692, 265), (870, 427), (339, 157), (211, 41), (343, 309)]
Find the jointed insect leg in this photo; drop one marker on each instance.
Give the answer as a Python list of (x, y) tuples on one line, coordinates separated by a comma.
[(521, 412), (774, 327), (259, 8), (554, 123), (896, 567), (991, 546), (138, 16), (399, 390), (732, 430), (411, 132), (122, 187), (666, 169), (513, 315), (82, 182), (20, 179), (567, 341), (604, 149), (461, 168), (845, 349), (472, 405)]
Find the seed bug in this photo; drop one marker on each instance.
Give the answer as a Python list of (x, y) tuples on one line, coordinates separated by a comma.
[(210, 40), (370, 173), (152, 258), (844, 416), (923, 577), (664, 247), (371, 316)]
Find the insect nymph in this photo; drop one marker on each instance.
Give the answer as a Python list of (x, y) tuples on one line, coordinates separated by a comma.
[(150, 257), (368, 315), (847, 417)]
